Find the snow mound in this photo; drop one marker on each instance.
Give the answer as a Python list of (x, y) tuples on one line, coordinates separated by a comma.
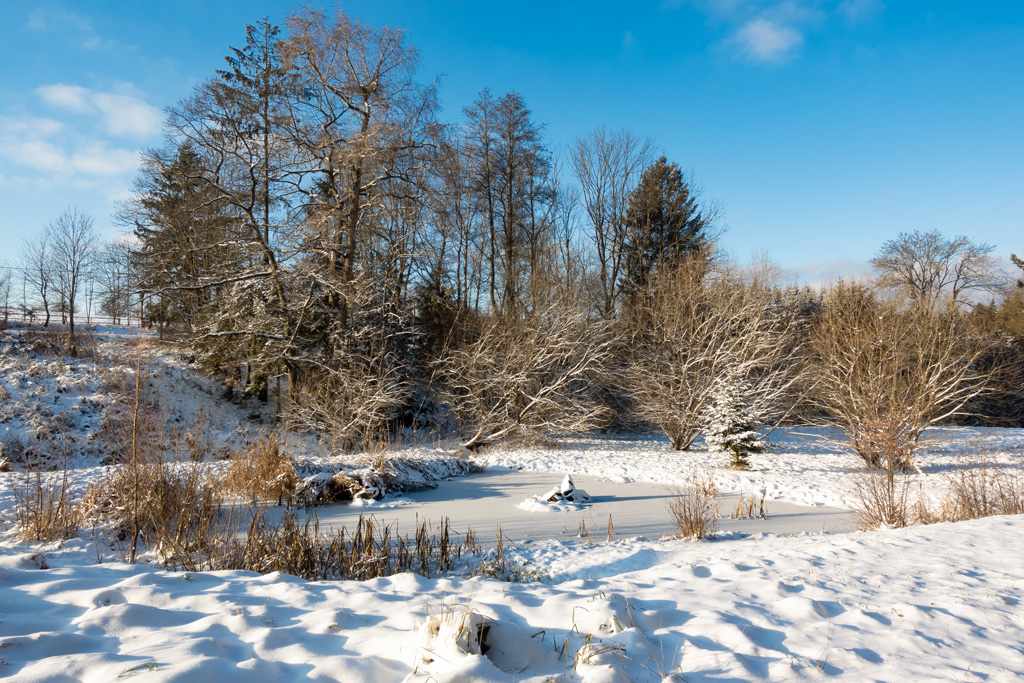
[(563, 497)]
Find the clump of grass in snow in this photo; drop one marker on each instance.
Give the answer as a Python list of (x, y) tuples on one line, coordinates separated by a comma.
[(262, 471), (43, 508), (371, 551), (694, 509)]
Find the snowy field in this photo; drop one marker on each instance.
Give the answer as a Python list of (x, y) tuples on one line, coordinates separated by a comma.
[(938, 602)]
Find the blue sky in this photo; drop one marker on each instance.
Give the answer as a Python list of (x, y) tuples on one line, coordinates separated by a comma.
[(823, 127)]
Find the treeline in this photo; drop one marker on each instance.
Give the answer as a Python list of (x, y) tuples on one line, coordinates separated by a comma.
[(311, 219), (311, 226)]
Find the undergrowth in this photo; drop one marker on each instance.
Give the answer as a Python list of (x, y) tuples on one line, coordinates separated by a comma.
[(973, 492)]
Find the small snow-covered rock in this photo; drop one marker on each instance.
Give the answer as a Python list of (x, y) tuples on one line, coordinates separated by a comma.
[(564, 496), (34, 561)]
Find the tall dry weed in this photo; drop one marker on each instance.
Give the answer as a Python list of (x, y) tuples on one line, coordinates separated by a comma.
[(262, 471), (694, 509)]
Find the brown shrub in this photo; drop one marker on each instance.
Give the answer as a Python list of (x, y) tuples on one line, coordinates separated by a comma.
[(43, 509), (262, 471), (982, 491), (694, 509), (882, 499), (174, 512)]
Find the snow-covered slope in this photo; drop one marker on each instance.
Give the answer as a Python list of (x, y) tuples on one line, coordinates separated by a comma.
[(943, 602)]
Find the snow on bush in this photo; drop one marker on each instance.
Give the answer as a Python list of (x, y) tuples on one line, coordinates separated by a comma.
[(731, 426)]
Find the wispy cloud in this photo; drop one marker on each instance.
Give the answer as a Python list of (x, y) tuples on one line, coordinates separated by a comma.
[(628, 40), (772, 31), (764, 40), (860, 10), (52, 18), (43, 145), (122, 115)]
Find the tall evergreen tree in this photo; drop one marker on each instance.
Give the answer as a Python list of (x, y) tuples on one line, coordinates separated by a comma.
[(184, 237), (663, 222)]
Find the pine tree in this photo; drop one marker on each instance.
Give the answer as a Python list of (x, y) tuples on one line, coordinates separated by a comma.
[(663, 222), (731, 425)]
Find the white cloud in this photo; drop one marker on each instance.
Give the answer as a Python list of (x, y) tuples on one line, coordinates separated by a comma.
[(628, 40), (130, 116), (860, 10), (56, 18), (98, 159), (39, 155), (72, 97), (45, 146), (772, 30), (765, 40), (121, 114)]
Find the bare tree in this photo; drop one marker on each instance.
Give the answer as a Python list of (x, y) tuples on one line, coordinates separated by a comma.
[(361, 123), (884, 373), (115, 279), (5, 283), (37, 266), (607, 166), (534, 376), (74, 246), (929, 268), (694, 328)]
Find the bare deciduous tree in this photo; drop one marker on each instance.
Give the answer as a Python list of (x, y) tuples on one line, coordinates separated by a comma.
[(36, 264), (694, 328), (74, 246), (5, 289), (884, 373), (607, 166), (927, 267), (531, 376)]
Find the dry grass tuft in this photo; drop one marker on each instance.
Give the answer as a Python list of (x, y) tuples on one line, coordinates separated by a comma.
[(975, 491), (982, 491), (750, 507), (173, 511), (695, 508), (43, 509), (261, 471), (372, 550)]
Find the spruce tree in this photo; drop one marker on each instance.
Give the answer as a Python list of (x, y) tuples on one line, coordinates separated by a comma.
[(663, 222), (731, 425)]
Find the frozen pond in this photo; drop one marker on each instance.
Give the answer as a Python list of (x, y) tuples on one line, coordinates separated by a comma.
[(484, 501)]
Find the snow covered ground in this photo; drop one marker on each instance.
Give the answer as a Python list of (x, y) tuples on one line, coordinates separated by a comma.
[(944, 602), (939, 602)]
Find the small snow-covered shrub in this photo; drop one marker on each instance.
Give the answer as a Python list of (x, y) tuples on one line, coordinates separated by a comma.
[(730, 424)]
